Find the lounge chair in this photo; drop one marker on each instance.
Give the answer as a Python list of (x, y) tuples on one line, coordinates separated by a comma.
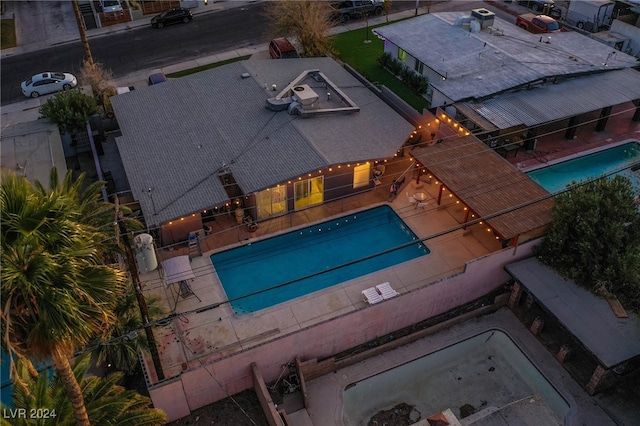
[(386, 291), (371, 296)]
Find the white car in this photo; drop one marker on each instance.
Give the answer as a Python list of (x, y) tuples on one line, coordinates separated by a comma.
[(48, 82), (110, 6)]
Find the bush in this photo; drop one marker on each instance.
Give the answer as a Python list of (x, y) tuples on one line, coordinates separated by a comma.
[(70, 110)]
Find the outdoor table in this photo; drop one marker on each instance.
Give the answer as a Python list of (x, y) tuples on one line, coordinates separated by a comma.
[(419, 197)]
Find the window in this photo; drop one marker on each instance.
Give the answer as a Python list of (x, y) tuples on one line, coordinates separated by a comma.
[(271, 201), (402, 55), (361, 175), (308, 192), (418, 67)]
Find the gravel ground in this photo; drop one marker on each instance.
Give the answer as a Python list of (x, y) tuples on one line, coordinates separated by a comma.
[(245, 410)]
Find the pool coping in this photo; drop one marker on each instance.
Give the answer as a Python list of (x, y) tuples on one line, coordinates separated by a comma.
[(578, 155), (243, 243), (329, 388)]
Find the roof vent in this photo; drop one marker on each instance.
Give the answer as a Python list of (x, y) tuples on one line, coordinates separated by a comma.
[(484, 16)]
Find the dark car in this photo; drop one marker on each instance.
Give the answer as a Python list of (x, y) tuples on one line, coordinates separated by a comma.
[(156, 78), (547, 7), (281, 48), (172, 16)]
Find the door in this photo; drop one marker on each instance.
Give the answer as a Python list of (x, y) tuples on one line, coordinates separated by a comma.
[(308, 192)]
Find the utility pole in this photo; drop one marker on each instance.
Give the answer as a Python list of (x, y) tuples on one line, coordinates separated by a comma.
[(121, 231), (83, 32)]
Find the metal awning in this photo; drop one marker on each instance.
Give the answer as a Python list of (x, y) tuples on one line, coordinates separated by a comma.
[(550, 102)]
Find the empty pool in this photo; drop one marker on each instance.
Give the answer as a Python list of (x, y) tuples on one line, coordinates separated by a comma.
[(281, 268), (487, 372), (556, 177)]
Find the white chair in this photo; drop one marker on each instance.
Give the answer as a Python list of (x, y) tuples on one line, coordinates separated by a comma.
[(411, 199), (423, 205), (386, 291), (371, 296)]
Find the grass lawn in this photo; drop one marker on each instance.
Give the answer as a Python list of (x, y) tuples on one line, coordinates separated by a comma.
[(350, 47), (206, 67), (7, 33)]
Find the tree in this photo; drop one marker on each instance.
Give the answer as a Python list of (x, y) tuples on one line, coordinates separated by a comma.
[(594, 238), (123, 343), (83, 32), (107, 402), (307, 20), (95, 75), (57, 295), (70, 110)]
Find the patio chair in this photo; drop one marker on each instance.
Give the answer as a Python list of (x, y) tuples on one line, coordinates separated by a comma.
[(386, 291), (371, 296), (411, 199), (423, 205)]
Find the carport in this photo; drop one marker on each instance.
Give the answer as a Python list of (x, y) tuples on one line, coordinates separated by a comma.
[(609, 333)]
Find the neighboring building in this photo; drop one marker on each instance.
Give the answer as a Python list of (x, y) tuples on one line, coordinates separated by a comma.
[(267, 136), (601, 328), (503, 78), (31, 149)]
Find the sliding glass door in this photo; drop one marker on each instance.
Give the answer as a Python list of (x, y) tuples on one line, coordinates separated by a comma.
[(308, 192)]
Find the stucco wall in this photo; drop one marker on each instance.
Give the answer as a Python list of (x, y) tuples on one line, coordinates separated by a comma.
[(217, 379)]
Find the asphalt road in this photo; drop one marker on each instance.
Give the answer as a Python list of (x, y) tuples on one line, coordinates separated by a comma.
[(143, 48), (146, 48)]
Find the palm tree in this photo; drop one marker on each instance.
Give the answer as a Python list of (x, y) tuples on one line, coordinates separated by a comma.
[(57, 294), (106, 401), (122, 351)]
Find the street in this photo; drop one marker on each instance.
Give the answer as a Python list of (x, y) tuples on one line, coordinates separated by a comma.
[(145, 48)]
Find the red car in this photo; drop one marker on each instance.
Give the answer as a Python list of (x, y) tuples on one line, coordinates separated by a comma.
[(538, 24), (281, 48)]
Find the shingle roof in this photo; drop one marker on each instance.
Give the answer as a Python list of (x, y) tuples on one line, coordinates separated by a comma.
[(480, 64), (177, 135)]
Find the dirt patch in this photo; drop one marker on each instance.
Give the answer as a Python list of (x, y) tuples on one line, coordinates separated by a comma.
[(240, 409), (401, 415)]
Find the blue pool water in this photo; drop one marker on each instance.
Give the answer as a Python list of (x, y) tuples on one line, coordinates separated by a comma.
[(277, 269), (556, 177)]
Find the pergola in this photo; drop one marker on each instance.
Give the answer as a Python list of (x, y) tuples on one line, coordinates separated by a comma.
[(491, 187)]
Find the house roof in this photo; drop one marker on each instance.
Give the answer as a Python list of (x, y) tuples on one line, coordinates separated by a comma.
[(549, 102), (32, 149), (588, 317), (180, 135), (488, 184), (503, 57)]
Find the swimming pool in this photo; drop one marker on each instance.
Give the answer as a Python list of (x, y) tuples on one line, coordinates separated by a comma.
[(556, 177), (274, 270), (488, 372)]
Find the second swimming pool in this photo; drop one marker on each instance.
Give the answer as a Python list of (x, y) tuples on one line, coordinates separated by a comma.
[(274, 270), (556, 177)]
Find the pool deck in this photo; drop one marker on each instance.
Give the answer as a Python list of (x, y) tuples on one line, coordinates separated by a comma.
[(326, 392), (219, 331)]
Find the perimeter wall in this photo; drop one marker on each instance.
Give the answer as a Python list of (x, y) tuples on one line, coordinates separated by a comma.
[(222, 377)]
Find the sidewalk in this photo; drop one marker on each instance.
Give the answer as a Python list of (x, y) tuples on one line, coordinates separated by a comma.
[(40, 25)]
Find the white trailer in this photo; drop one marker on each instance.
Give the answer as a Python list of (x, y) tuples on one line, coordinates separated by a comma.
[(590, 15)]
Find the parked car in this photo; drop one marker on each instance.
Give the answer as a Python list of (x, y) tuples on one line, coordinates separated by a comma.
[(538, 24), (172, 16), (281, 48), (547, 7), (110, 6), (156, 78), (344, 11), (48, 82)]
